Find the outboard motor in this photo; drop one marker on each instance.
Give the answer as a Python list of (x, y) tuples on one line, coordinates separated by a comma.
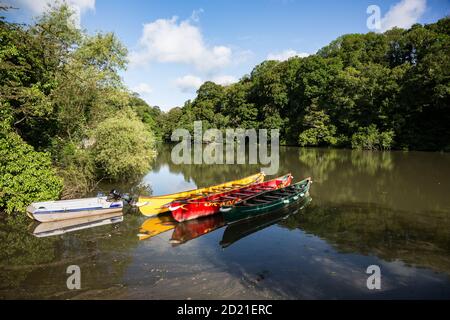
[(114, 195), (128, 199)]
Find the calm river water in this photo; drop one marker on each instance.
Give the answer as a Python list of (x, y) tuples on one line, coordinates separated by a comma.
[(390, 209)]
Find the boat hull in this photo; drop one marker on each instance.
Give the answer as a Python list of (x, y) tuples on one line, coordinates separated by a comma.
[(50, 217), (201, 207), (295, 194), (72, 209), (150, 206)]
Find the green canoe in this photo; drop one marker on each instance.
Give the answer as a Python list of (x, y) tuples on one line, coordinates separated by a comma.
[(267, 201)]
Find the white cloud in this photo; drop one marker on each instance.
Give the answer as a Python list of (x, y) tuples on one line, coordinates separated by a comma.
[(142, 88), (404, 14), (191, 83), (167, 40), (188, 83), (39, 6), (224, 80), (286, 54)]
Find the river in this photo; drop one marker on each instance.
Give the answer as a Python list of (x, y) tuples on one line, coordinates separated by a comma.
[(388, 209)]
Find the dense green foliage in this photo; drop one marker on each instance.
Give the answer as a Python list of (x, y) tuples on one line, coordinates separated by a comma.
[(371, 139), (25, 175), (370, 91), (121, 135), (65, 110), (152, 117)]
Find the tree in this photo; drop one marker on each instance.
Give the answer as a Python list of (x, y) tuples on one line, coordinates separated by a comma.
[(369, 138), (119, 136), (384, 85), (241, 112), (319, 131), (151, 116)]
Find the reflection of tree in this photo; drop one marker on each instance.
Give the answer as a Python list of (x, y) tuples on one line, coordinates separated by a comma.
[(19, 249), (38, 265), (321, 161), (371, 162), (404, 181), (206, 174), (388, 234), (325, 161)]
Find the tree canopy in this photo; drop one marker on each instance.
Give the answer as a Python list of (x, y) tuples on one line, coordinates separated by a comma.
[(389, 88), (65, 112)]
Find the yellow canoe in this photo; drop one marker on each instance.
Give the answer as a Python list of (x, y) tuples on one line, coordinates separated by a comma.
[(150, 206), (156, 225)]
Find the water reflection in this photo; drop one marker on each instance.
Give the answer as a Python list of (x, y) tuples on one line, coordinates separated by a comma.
[(423, 241), (238, 226), (201, 175), (32, 267), (239, 229), (399, 180), (392, 204), (191, 229), (386, 208), (156, 225), (47, 229)]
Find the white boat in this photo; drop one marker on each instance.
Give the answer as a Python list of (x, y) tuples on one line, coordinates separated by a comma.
[(54, 228), (71, 209)]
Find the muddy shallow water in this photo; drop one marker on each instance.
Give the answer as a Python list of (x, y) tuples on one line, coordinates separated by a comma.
[(390, 209)]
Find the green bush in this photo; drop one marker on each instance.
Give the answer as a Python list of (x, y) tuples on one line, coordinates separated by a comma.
[(318, 136), (369, 138), (77, 167), (123, 147), (26, 176)]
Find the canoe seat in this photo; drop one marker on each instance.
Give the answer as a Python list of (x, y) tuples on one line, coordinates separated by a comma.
[(261, 200), (251, 191), (272, 197), (283, 193), (250, 204), (228, 197), (262, 189), (242, 194)]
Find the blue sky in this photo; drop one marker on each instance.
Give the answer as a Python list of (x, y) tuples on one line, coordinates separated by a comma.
[(175, 45)]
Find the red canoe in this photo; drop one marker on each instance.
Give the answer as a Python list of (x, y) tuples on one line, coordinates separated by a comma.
[(183, 210)]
